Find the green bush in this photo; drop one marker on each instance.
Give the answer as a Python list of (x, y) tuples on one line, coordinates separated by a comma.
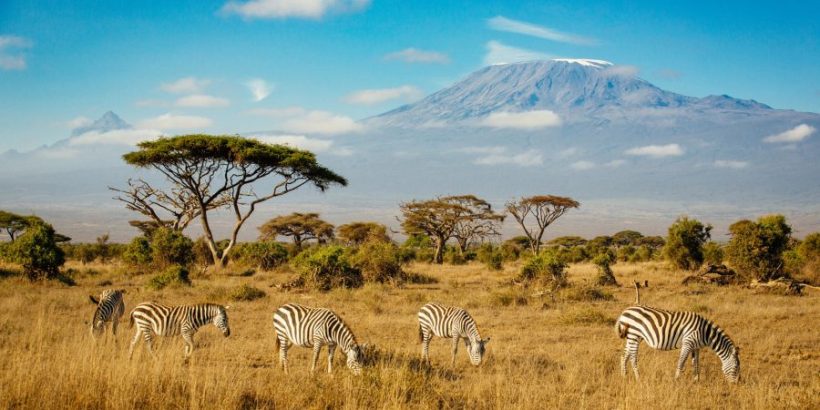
[(246, 293), (138, 252), (326, 267), (545, 267), (605, 275), (378, 261), (684, 243), (175, 275), (805, 263), (515, 248), (37, 252), (712, 253), (756, 248), (417, 248), (491, 256), (266, 255), (170, 247), (453, 256)]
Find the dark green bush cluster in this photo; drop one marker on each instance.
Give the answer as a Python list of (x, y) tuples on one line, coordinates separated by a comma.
[(378, 261), (546, 268), (756, 248), (417, 248), (265, 255), (491, 256), (172, 276), (605, 275), (684, 244), (803, 261), (326, 267), (138, 252), (36, 251)]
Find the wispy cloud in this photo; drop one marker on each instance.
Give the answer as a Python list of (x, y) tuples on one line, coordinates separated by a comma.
[(796, 134), (201, 101), (378, 96), (315, 145), (522, 120), (78, 122), (499, 53), (582, 165), (621, 71), (566, 153), (116, 137), (282, 9), (260, 89), (657, 151), (529, 158), (299, 120), (733, 164), (186, 85), (501, 23), (11, 52), (175, 122), (615, 163), (414, 55)]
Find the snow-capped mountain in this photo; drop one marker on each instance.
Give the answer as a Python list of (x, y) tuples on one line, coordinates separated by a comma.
[(108, 122)]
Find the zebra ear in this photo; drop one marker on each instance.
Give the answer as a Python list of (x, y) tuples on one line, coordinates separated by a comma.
[(122, 290), (94, 300), (487, 340)]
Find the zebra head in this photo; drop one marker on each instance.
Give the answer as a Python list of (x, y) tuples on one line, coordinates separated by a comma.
[(731, 365), (476, 350), (220, 320), (355, 359)]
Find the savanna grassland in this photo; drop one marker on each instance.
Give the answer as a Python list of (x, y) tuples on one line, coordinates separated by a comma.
[(547, 351)]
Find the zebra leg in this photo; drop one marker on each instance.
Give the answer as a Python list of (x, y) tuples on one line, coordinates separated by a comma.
[(149, 342), (695, 363), (425, 346), (632, 354), (284, 344), (685, 350), (330, 350), (134, 342), (317, 347), (189, 343), (455, 349)]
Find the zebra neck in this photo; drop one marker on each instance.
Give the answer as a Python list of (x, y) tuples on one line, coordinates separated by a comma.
[(472, 333), (198, 321)]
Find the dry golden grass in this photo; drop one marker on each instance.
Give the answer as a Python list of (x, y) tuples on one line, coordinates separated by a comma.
[(546, 352)]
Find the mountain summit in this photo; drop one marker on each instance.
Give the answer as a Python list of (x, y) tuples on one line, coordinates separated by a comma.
[(575, 89), (108, 122)]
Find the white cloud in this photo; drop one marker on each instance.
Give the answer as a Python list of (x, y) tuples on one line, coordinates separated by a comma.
[(527, 158), (259, 88), (725, 163), (498, 150), (796, 134), (201, 101), (11, 57), (501, 23), (522, 120), (377, 96), (175, 122), (321, 122), (499, 53), (582, 165), (281, 9), (315, 145), (78, 122), (567, 152), (657, 151), (186, 85), (615, 163), (116, 137), (621, 71), (414, 55)]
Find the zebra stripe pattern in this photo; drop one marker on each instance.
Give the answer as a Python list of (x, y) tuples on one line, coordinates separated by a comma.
[(155, 319), (450, 322), (315, 327), (664, 330), (110, 307)]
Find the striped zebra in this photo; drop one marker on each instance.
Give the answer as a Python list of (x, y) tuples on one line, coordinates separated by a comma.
[(664, 330), (152, 318), (110, 307), (450, 322), (315, 327)]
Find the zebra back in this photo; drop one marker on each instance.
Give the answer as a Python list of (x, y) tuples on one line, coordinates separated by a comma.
[(171, 320), (110, 307)]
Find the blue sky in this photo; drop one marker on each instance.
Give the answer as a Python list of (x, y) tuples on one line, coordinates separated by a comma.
[(317, 65)]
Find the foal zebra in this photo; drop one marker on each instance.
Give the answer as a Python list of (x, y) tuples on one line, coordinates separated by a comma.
[(664, 330), (175, 320), (314, 327), (454, 322), (110, 308)]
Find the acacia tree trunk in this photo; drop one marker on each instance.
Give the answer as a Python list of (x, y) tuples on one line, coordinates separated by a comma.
[(462, 245), (209, 236), (439, 257)]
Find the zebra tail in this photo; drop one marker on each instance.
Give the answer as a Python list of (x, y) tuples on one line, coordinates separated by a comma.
[(421, 334), (277, 342), (131, 320), (622, 329)]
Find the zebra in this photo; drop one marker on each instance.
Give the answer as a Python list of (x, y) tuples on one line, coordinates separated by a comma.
[(665, 330), (314, 327), (454, 322), (110, 307), (153, 318)]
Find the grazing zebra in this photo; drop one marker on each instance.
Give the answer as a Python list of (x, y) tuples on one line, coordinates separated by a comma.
[(454, 322), (314, 327), (110, 308), (175, 320), (664, 330)]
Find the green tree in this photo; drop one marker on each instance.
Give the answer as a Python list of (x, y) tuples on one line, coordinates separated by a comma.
[(627, 238), (357, 233), (171, 247), (138, 252), (756, 248), (12, 224), (207, 172), (435, 218), (37, 251), (299, 227), (684, 243), (543, 210)]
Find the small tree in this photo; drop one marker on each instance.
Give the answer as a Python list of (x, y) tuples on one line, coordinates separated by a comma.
[(138, 252), (171, 247), (299, 227), (684, 244), (605, 276), (478, 223), (12, 224), (627, 238), (435, 218), (207, 172), (544, 209), (756, 248), (357, 233), (37, 251)]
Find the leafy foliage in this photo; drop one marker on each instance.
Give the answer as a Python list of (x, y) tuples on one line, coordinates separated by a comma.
[(604, 261), (138, 252), (170, 247), (357, 233), (713, 253), (491, 256), (247, 293), (299, 227), (174, 275), (266, 255), (544, 209), (36, 251), (684, 243), (756, 248), (326, 267), (378, 261), (545, 267)]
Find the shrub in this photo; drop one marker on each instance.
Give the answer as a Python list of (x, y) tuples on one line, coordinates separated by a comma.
[(712, 253), (325, 268), (170, 247), (808, 260), (265, 255), (246, 293), (515, 247), (586, 294), (37, 251), (174, 275), (605, 275), (85, 253), (453, 256), (417, 248), (756, 248), (491, 256), (684, 244), (378, 261), (138, 252), (544, 267)]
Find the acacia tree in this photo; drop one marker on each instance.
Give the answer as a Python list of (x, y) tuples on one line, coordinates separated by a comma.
[(207, 172), (356, 233), (478, 222), (12, 224), (300, 227), (544, 209)]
